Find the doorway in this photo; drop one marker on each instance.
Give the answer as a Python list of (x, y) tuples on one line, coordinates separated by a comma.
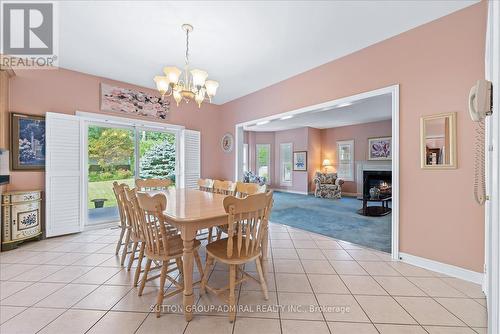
[(392, 92), (118, 153)]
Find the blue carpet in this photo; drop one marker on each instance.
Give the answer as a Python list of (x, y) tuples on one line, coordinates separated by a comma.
[(334, 218)]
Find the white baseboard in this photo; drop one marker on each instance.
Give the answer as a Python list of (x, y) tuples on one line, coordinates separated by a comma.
[(291, 191), (443, 268)]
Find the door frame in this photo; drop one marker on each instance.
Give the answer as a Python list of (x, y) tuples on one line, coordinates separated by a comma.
[(135, 125), (491, 284), (393, 90)]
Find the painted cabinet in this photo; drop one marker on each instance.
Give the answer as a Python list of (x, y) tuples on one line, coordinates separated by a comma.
[(21, 217)]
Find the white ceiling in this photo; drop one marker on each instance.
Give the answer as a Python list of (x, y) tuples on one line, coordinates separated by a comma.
[(372, 109), (245, 45)]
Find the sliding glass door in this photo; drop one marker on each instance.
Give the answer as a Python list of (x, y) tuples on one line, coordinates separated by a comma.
[(111, 157), (122, 154)]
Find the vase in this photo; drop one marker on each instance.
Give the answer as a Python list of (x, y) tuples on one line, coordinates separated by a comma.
[(374, 193)]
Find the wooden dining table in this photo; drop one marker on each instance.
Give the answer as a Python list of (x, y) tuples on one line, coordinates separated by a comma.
[(191, 210)]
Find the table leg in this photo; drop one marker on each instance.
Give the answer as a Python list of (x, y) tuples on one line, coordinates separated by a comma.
[(188, 259)]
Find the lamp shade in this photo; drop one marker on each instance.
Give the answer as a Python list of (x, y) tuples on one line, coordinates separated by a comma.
[(326, 163), (161, 84), (199, 77), (211, 86), (172, 74)]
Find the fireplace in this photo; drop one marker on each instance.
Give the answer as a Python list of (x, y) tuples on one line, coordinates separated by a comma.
[(382, 179)]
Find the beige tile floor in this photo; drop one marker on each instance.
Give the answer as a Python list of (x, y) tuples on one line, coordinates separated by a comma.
[(74, 284)]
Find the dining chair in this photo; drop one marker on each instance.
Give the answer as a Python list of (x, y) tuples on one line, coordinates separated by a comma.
[(224, 187), (206, 185), (242, 190), (136, 235), (124, 238), (245, 189), (152, 184), (161, 244), (247, 224)]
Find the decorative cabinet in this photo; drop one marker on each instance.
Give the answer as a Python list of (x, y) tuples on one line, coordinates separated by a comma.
[(21, 217)]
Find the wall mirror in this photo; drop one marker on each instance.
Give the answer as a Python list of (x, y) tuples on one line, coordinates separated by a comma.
[(438, 141)]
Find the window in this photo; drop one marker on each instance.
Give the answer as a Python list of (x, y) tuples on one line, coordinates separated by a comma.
[(345, 160), (245, 157), (263, 161), (286, 164)]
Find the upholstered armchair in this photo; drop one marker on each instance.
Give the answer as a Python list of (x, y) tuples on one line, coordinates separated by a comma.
[(328, 185)]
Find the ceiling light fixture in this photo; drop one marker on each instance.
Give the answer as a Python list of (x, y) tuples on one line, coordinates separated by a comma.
[(190, 85), (263, 122), (286, 117)]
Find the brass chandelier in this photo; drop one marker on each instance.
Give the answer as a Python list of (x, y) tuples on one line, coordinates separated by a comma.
[(188, 84)]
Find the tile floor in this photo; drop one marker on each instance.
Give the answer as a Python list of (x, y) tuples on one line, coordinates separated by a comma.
[(74, 284)]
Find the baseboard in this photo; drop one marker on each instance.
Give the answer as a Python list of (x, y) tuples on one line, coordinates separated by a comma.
[(291, 191), (349, 194), (443, 268)]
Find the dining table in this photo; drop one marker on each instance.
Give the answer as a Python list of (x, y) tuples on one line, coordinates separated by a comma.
[(192, 210)]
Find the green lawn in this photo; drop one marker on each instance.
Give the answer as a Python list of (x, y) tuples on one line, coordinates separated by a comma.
[(104, 189)]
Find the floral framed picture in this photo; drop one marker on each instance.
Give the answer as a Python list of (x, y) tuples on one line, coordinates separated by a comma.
[(380, 148), (133, 102), (300, 161), (27, 144), (227, 143)]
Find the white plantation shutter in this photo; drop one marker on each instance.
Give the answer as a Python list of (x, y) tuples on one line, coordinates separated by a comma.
[(63, 175), (192, 158)]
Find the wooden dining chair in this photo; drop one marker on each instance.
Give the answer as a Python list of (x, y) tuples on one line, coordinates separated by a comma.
[(136, 235), (161, 244), (152, 184), (247, 224), (206, 185), (245, 189), (124, 238), (242, 190), (224, 187)]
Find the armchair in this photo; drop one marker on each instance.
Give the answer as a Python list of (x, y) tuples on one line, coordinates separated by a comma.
[(328, 185)]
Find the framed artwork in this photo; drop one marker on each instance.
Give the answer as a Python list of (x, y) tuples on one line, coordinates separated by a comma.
[(227, 142), (300, 161), (380, 148), (133, 102), (27, 143)]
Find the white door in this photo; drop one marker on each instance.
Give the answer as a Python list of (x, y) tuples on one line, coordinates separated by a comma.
[(191, 158), (63, 175)]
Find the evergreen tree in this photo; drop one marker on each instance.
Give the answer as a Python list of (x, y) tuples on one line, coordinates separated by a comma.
[(159, 161)]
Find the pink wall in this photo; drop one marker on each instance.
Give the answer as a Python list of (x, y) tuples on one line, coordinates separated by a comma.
[(299, 139), (435, 65), (63, 91), (314, 157), (360, 133)]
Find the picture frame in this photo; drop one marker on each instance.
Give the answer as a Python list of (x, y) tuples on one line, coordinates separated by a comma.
[(227, 143), (132, 102), (27, 142), (300, 161), (380, 148)]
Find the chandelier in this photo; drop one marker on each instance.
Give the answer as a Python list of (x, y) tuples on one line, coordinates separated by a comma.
[(188, 84)]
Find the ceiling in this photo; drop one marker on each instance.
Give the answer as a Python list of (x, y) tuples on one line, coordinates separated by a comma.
[(245, 45), (372, 109)]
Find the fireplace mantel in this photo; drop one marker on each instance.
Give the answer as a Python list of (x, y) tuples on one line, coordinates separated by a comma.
[(361, 166)]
